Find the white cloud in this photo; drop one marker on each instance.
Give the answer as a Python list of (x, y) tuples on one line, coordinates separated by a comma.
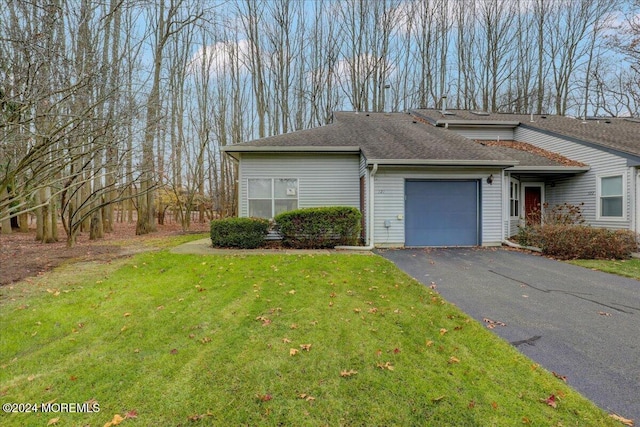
[(219, 58)]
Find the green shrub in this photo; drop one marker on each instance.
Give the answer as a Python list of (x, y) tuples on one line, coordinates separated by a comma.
[(323, 227), (584, 242), (245, 233)]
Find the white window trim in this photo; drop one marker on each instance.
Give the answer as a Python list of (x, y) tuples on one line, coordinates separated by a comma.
[(599, 217), (273, 190), (518, 198)]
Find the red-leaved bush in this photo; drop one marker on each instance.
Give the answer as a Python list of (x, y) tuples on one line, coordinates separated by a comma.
[(584, 242), (560, 232)]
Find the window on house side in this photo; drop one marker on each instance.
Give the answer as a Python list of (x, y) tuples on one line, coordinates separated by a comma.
[(268, 197), (611, 196), (514, 199)]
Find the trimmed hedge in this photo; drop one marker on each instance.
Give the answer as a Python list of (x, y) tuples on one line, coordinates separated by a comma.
[(323, 227), (244, 233), (583, 242)]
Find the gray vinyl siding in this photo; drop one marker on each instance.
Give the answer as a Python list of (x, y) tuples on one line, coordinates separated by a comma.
[(582, 187), (485, 134), (389, 202), (323, 179)]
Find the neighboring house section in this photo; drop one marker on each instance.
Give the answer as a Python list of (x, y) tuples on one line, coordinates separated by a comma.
[(608, 191), (455, 179)]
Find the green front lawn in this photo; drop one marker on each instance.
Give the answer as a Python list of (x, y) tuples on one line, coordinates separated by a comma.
[(626, 268), (264, 340)]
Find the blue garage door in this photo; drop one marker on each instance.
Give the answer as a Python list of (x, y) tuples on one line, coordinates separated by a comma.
[(442, 213)]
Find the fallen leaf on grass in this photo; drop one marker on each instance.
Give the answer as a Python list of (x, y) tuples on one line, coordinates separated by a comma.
[(174, 351), (305, 347), (438, 399), (345, 373), (286, 340), (472, 404), (306, 397), (551, 401), (117, 419), (131, 414), (264, 397), (386, 365), (443, 331), (126, 314), (293, 351), (198, 417), (561, 377), (625, 421), (453, 359), (494, 405), (429, 343), (53, 421)]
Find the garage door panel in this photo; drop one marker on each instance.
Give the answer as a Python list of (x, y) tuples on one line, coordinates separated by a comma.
[(441, 213)]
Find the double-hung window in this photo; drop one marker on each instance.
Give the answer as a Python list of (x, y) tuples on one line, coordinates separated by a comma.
[(514, 198), (611, 197), (268, 197)]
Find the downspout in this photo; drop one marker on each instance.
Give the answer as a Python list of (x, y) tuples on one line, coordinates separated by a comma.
[(503, 182), (635, 217), (370, 246)]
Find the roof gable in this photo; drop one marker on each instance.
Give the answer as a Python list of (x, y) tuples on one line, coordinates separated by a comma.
[(382, 137)]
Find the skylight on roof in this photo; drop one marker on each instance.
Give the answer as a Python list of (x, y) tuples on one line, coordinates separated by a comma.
[(480, 113), (448, 113)]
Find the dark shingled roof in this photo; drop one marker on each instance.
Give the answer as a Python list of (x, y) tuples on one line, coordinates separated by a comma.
[(618, 134), (390, 137)]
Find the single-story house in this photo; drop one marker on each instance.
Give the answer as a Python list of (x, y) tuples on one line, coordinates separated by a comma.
[(446, 178)]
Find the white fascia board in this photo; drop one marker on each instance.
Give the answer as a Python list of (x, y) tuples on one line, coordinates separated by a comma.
[(550, 169), (442, 162), (290, 149), (478, 123)]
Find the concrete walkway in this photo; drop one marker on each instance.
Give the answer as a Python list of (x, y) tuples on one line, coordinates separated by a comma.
[(203, 247)]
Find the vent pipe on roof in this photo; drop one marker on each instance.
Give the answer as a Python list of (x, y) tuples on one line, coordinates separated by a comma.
[(531, 120), (444, 104)]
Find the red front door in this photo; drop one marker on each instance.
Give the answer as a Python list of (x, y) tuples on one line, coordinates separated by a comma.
[(533, 205)]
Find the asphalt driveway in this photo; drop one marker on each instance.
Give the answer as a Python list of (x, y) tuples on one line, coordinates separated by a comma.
[(579, 323)]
